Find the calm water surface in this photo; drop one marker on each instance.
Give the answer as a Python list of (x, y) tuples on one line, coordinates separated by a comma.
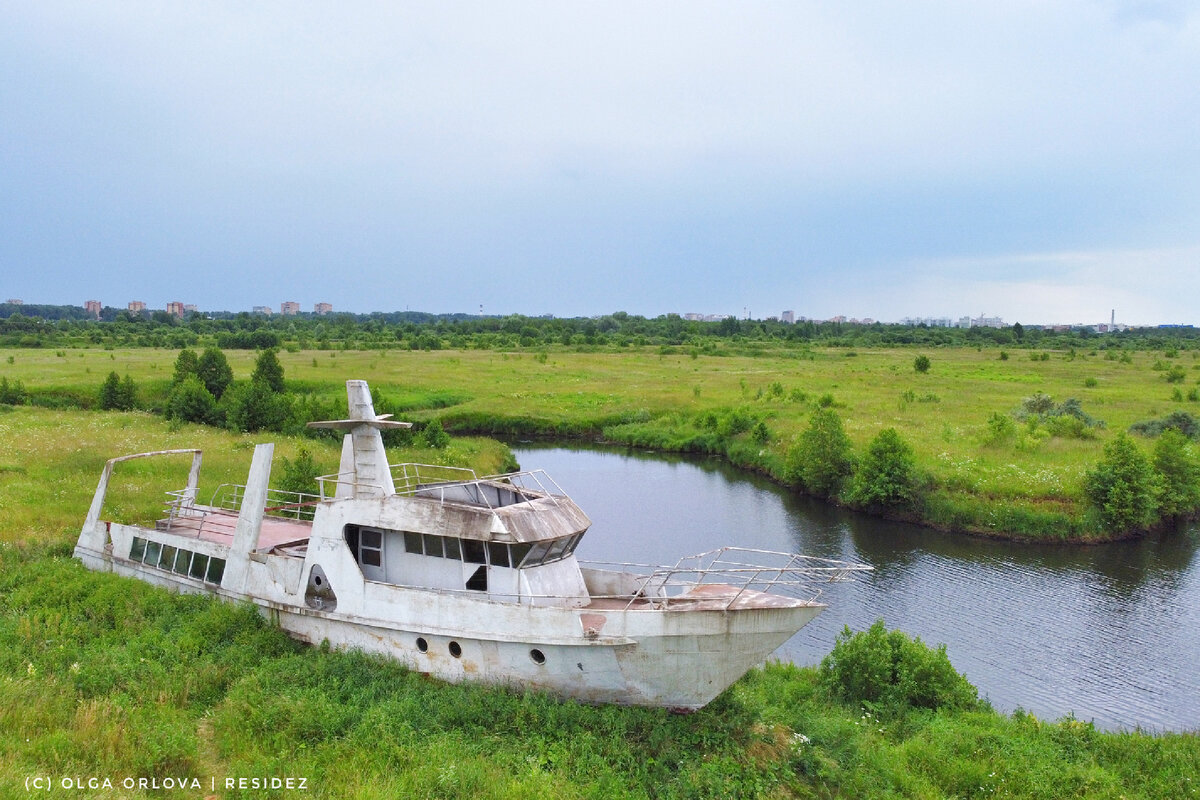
[(1110, 633)]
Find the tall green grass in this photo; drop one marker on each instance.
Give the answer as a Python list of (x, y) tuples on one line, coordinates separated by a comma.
[(106, 676)]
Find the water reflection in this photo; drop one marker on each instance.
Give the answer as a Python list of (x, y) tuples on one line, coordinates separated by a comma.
[(1107, 632)]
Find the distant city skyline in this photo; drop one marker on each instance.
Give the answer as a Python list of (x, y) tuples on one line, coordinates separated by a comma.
[(1036, 162), (786, 315)]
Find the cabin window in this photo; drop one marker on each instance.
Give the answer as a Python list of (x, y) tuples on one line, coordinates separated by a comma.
[(412, 542), (370, 547), (199, 566), (351, 534), (433, 545), (536, 554), (498, 554), (138, 549), (183, 560), (216, 570), (167, 558), (556, 550), (517, 553), (473, 551), (453, 548)]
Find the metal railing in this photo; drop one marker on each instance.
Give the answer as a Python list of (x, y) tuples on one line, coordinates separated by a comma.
[(280, 503), (455, 484), (736, 570)]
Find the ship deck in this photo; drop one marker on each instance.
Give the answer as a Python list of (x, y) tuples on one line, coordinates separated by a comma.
[(217, 525)]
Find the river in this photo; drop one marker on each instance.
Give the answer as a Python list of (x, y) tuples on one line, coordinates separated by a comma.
[(1110, 633)]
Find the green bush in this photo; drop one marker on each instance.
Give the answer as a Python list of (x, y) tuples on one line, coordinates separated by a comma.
[(1178, 468), (921, 364), (887, 670), (821, 459), (190, 401), (885, 477), (1123, 487)]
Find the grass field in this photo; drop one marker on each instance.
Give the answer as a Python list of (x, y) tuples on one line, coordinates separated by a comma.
[(105, 678), (1028, 484)]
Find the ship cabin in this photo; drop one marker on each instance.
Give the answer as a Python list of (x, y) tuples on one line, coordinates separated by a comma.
[(496, 537)]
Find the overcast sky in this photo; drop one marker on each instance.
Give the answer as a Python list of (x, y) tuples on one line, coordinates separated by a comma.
[(1030, 160)]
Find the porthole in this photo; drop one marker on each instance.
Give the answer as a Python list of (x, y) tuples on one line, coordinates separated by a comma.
[(538, 656), (455, 650), (317, 580), (422, 645)]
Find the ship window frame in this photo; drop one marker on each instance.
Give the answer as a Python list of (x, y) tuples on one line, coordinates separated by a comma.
[(216, 570), (166, 558), (184, 558), (556, 551), (199, 565), (137, 549), (370, 555), (412, 543), (498, 548), (455, 544), (536, 554), (433, 545), (156, 549), (474, 551), (517, 553)]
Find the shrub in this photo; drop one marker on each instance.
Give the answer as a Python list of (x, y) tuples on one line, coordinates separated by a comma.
[(1178, 469), (12, 394), (433, 435), (1180, 421), (117, 394), (254, 406), (888, 670), (1000, 428), (921, 364), (1123, 487), (821, 458), (190, 401), (300, 474), (885, 477)]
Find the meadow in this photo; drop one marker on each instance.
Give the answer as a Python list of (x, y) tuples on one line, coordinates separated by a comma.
[(109, 679), (1021, 481)]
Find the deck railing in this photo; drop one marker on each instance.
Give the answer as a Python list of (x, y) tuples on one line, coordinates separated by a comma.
[(736, 570), (454, 485)]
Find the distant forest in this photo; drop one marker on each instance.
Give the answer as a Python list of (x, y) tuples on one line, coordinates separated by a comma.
[(71, 326)]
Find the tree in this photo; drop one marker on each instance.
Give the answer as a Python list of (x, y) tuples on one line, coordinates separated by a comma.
[(1178, 469), (214, 371), (186, 366), (921, 364), (885, 476), (268, 370), (821, 458), (191, 401), (255, 406), (117, 395), (1122, 487)]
